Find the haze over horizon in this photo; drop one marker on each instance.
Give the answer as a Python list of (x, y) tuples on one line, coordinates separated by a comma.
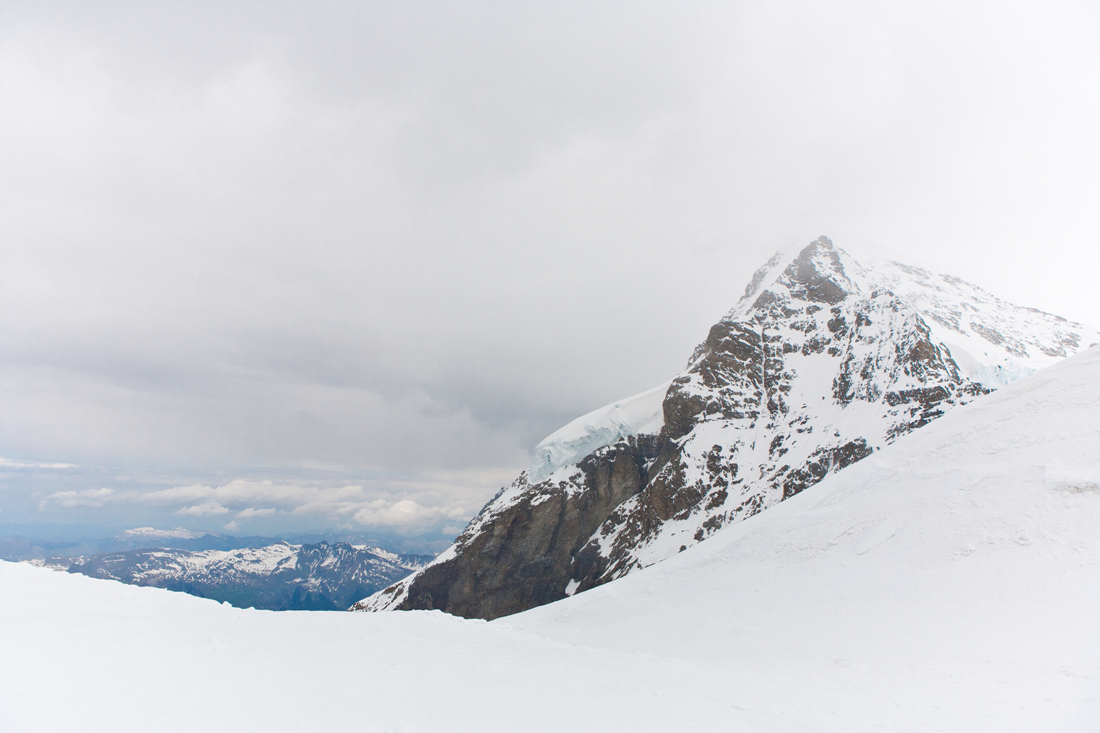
[(269, 268)]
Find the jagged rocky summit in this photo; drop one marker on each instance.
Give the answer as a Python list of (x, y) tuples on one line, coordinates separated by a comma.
[(278, 577), (820, 363)]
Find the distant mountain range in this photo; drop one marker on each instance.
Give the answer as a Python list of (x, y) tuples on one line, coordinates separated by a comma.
[(17, 546), (822, 362), (277, 577)]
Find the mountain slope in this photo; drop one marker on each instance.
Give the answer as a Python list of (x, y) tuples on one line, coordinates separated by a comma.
[(822, 362), (277, 577), (949, 583)]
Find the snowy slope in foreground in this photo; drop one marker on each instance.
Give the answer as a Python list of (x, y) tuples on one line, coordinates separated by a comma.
[(949, 582)]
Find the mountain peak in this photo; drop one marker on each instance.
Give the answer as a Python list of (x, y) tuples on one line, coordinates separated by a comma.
[(815, 270), (817, 274), (823, 361)]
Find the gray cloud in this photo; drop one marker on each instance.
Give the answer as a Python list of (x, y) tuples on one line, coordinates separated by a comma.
[(422, 503), (208, 509), (414, 239)]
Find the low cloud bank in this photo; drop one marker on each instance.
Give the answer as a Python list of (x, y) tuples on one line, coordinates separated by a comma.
[(446, 498)]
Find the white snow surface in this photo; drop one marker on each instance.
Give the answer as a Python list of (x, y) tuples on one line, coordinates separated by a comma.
[(637, 415), (950, 582)]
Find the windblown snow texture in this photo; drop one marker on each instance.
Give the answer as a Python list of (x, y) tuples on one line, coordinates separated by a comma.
[(822, 362)]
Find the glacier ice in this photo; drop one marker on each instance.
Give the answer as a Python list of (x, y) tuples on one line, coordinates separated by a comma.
[(637, 415)]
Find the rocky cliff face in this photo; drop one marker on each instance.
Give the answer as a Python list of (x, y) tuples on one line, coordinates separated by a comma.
[(278, 577), (822, 362)]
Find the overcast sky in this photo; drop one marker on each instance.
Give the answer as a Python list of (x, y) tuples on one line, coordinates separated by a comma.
[(372, 253)]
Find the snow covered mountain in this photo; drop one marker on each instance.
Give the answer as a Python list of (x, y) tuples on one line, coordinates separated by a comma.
[(822, 362), (947, 583), (278, 577)]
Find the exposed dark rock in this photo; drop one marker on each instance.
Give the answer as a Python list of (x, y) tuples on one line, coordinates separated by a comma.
[(522, 557)]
